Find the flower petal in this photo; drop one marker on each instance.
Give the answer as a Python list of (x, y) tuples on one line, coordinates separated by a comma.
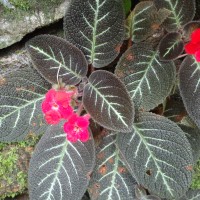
[(52, 117), (195, 36), (191, 48)]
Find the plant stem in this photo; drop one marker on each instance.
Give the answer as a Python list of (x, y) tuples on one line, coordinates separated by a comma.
[(80, 109), (183, 55)]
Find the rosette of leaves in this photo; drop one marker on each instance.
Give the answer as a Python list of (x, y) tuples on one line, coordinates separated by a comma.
[(140, 149)]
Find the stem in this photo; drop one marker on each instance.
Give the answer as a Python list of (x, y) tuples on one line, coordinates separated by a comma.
[(130, 43), (183, 55), (80, 109)]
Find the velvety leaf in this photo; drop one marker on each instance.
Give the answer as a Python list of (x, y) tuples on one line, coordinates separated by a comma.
[(21, 95), (171, 46), (191, 195), (110, 179), (106, 99), (145, 20), (159, 155), (189, 28), (97, 28), (60, 169), (189, 83), (182, 11), (193, 136), (55, 58), (147, 79)]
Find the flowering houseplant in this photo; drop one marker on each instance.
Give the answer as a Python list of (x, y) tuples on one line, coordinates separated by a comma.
[(146, 145)]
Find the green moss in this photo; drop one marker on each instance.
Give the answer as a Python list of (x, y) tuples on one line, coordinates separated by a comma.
[(196, 177), (10, 174), (21, 4)]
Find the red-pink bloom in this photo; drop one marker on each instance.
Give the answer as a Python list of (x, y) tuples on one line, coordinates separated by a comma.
[(193, 47), (59, 103), (52, 117), (76, 128)]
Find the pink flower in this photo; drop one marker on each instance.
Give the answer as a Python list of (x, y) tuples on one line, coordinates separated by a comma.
[(76, 128), (193, 47), (52, 117), (57, 103)]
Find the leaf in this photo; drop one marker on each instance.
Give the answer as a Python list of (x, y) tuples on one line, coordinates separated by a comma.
[(147, 79), (21, 94), (106, 99), (191, 195), (145, 21), (189, 83), (55, 58), (171, 46), (60, 169), (159, 155), (193, 136), (127, 6), (96, 28), (189, 28), (110, 179), (182, 11)]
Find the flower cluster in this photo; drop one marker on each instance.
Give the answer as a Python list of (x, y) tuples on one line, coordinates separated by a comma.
[(57, 106), (193, 47)]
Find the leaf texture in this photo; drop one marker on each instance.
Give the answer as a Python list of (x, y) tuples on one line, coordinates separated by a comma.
[(147, 79), (145, 21), (107, 101), (182, 11), (171, 46), (159, 155), (189, 28), (189, 83), (193, 136), (21, 95), (191, 195), (110, 179), (60, 169), (97, 28), (54, 58)]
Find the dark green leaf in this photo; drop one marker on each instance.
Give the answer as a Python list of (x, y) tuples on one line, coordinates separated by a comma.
[(182, 11), (60, 169), (159, 155), (193, 136), (191, 195), (55, 58), (110, 179), (21, 95), (97, 28), (145, 21), (189, 83), (107, 101), (127, 6), (171, 46), (147, 79)]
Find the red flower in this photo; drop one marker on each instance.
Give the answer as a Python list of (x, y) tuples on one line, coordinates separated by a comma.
[(57, 103), (52, 117), (76, 128), (193, 47)]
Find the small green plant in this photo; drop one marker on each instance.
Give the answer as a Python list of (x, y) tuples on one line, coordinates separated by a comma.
[(148, 138)]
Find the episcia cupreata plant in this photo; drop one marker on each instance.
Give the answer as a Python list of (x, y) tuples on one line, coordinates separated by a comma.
[(148, 142)]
